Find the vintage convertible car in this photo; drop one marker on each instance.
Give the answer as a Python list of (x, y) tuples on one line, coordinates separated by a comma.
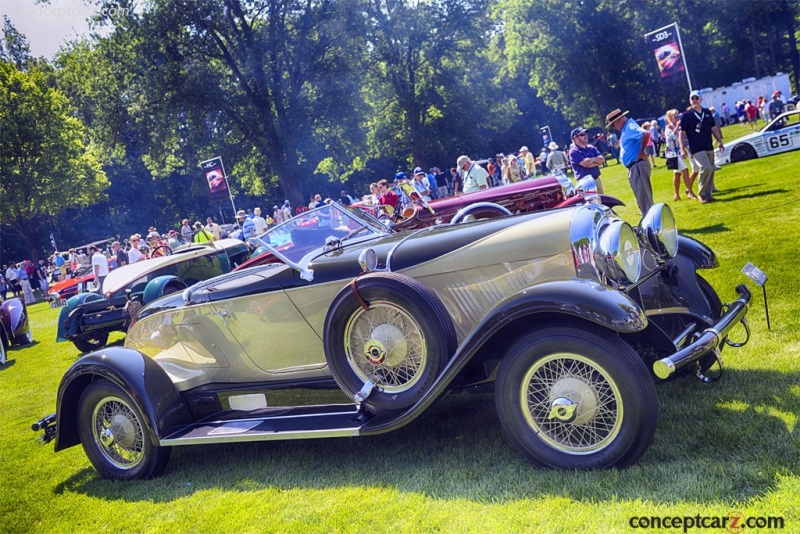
[(780, 135), (88, 318), (563, 313), (15, 327), (536, 194)]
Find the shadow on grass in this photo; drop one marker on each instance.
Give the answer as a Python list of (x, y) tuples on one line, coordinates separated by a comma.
[(723, 196), (9, 363), (723, 441), (713, 229), (729, 190)]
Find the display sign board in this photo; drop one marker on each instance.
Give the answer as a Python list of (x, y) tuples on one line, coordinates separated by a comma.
[(666, 46), (215, 176)]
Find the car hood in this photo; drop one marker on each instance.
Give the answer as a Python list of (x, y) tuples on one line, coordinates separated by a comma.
[(417, 253), (71, 282)]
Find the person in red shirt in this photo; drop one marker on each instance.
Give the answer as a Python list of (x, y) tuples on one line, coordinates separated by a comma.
[(387, 196), (752, 115)]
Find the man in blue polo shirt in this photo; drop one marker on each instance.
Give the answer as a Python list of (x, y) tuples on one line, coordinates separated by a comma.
[(585, 159), (633, 139)]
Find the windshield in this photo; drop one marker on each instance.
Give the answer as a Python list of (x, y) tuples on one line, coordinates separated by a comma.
[(310, 232)]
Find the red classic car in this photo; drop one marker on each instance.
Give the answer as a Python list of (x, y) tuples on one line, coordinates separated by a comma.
[(60, 291), (521, 197)]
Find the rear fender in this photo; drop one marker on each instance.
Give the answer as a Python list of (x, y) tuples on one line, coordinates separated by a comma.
[(156, 287), (81, 298), (67, 325), (571, 299), (140, 376)]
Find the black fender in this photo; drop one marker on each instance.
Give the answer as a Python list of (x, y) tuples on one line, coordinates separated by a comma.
[(701, 255), (141, 377), (576, 298)]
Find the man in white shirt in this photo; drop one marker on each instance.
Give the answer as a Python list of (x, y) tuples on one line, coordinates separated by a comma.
[(213, 228), (99, 266), (259, 221), (475, 177), (420, 186)]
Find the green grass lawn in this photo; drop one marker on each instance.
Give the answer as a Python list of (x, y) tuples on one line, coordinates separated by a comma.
[(731, 446)]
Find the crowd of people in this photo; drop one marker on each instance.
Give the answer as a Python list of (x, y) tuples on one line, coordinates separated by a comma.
[(24, 280), (687, 135), (747, 112)]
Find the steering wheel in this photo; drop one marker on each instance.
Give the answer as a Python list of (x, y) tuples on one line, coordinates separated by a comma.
[(161, 250)]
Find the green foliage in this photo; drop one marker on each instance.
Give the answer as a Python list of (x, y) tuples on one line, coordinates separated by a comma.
[(46, 166)]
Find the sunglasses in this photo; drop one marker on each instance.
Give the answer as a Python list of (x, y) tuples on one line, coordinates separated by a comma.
[(581, 135), (695, 98)]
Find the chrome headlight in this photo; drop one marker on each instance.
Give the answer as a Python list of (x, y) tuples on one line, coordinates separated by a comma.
[(659, 228), (619, 253), (368, 260)]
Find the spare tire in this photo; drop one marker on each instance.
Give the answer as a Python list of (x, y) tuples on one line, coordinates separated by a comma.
[(389, 329)]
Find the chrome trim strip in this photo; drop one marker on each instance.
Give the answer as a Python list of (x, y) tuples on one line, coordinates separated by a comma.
[(263, 436), (267, 435)]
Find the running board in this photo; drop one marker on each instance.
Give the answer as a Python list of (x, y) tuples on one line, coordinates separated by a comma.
[(331, 421)]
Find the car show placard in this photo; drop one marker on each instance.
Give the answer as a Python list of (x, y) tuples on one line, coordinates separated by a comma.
[(666, 46), (215, 175)]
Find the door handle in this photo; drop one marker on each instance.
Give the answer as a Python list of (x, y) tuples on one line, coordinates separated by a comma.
[(223, 314)]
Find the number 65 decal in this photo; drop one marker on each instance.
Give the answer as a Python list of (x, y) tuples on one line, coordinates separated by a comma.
[(779, 141)]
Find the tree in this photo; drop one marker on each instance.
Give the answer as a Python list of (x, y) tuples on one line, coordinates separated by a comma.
[(431, 86), (273, 82), (14, 48), (45, 166)]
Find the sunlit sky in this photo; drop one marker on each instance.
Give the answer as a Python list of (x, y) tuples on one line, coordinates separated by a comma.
[(50, 25)]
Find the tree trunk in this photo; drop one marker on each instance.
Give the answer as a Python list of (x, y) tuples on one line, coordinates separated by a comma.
[(28, 232), (790, 29), (753, 34)]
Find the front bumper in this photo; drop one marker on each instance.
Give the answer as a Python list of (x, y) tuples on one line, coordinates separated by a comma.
[(710, 339)]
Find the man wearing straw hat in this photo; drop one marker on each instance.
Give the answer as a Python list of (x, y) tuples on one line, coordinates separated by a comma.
[(633, 139)]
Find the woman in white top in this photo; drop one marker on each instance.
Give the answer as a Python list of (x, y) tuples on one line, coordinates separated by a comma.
[(134, 254), (672, 133)]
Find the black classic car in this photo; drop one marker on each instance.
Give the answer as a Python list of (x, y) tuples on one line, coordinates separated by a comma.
[(87, 318), (15, 326), (570, 315)]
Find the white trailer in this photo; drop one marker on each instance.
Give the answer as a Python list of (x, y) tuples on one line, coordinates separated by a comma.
[(747, 89)]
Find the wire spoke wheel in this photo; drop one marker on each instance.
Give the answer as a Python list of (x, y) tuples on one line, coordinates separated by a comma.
[(592, 412), (385, 344), (389, 330), (576, 398), (118, 433)]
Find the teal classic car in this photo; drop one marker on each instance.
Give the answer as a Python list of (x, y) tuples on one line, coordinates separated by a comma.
[(89, 317)]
